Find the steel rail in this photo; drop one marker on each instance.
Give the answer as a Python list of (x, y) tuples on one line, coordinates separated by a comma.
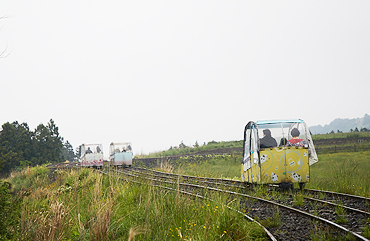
[(203, 179), (339, 194), (336, 205)]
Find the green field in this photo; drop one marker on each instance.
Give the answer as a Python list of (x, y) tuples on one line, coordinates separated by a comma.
[(342, 172), (341, 135)]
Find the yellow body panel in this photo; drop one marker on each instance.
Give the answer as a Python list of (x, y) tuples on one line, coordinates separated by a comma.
[(277, 165)]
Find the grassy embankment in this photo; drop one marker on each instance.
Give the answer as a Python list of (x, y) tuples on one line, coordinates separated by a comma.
[(341, 135), (212, 145), (83, 205)]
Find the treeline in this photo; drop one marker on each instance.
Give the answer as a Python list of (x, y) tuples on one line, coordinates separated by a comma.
[(363, 129), (21, 147)]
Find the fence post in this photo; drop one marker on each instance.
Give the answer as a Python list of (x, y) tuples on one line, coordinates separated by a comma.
[(335, 149), (355, 147)]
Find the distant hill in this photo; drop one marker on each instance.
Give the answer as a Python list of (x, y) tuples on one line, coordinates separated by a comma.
[(344, 125)]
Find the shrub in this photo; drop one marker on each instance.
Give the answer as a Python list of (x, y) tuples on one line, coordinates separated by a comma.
[(9, 212)]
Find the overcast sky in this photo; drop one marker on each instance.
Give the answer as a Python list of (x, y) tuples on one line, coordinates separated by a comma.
[(160, 72)]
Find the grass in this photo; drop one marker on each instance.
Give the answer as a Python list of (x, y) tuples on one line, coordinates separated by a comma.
[(272, 222), (216, 166), (341, 135), (367, 229), (298, 199), (83, 205), (212, 145), (341, 214), (342, 172)]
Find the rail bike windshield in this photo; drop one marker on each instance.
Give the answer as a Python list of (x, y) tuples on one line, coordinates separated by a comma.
[(278, 134), (120, 147), (283, 133), (91, 149)]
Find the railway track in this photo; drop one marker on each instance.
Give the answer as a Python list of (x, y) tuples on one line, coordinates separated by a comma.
[(283, 218)]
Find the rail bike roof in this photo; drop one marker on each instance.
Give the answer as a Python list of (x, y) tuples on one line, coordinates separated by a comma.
[(264, 122)]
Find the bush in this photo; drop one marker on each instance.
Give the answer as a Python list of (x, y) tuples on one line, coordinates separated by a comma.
[(9, 212)]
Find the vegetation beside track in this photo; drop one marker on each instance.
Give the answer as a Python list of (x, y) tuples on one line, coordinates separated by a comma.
[(81, 204), (342, 172)]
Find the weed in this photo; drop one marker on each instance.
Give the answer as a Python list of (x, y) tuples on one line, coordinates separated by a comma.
[(341, 214), (298, 199), (166, 167), (273, 221), (366, 224)]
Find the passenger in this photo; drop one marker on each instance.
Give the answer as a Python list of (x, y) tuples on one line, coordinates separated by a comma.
[(98, 149), (283, 141), (267, 141), (295, 141), (88, 151), (117, 151), (123, 149)]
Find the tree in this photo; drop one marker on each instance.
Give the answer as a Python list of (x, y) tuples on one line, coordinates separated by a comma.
[(196, 145), (20, 147), (182, 145), (78, 151), (40, 140), (67, 151), (15, 146), (47, 144), (356, 129), (55, 144)]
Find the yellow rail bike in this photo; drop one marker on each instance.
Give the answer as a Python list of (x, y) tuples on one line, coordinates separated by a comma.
[(277, 152)]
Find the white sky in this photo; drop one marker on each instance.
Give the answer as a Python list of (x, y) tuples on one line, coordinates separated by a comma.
[(160, 72)]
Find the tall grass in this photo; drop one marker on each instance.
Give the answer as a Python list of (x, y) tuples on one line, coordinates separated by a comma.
[(342, 172), (84, 205), (217, 166)]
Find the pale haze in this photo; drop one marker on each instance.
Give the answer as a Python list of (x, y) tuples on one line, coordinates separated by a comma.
[(158, 73)]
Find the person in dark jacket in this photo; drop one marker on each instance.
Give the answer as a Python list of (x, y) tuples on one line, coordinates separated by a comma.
[(88, 151), (267, 140)]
